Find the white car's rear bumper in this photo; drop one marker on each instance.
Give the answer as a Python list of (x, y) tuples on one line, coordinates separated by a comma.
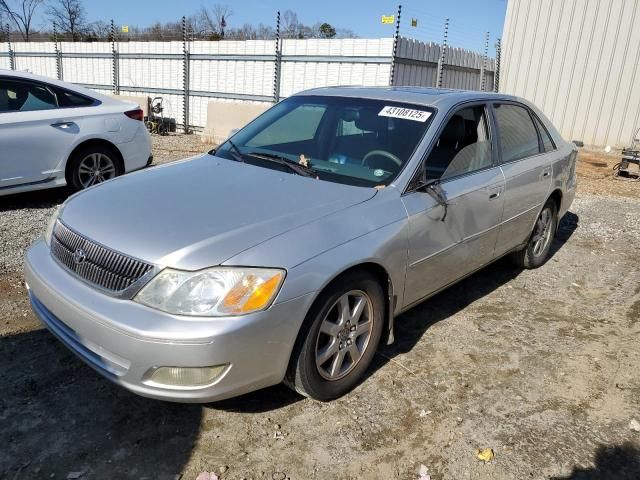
[(136, 153)]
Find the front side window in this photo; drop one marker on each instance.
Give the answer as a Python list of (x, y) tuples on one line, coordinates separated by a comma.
[(20, 96), (356, 141), (517, 134), (464, 146)]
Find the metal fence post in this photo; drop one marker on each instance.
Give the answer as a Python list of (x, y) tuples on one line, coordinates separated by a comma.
[(483, 67), (115, 61), (443, 54), (58, 53), (396, 37), (277, 63), (12, 54), (186, 70), (496, 74)]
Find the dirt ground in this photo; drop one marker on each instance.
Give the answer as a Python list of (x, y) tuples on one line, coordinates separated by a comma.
[(541, 366)]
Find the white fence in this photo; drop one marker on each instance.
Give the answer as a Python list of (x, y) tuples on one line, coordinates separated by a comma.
[(242, 70)]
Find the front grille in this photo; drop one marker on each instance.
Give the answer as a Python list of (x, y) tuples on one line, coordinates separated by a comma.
[(97, 265)]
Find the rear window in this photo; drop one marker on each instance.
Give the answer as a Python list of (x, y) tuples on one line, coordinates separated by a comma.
[(517, 133)]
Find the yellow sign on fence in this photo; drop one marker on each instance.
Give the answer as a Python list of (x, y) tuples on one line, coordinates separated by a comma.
[(388, 18), (125, 28)]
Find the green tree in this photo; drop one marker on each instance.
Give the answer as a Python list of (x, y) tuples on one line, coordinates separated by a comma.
[(327, 31)]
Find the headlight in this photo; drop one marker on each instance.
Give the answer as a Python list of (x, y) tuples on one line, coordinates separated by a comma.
[(212, 292), (52, 223)]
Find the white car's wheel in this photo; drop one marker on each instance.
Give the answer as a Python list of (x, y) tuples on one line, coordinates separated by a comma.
[(92, 165)]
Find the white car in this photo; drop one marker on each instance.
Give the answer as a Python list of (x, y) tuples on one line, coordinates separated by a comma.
[(54, 133)]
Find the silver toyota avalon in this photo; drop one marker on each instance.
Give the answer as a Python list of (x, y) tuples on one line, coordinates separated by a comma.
[(286, 253)]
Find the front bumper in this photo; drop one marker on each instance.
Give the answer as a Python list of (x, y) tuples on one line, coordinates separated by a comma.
[(123, 340)]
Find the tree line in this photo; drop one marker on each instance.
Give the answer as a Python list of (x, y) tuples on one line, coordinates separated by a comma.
[(68, 18)]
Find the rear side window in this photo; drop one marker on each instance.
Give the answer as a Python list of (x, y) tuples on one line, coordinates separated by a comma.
[(20, 96), (547, 143), (517, 133), (68, 99)]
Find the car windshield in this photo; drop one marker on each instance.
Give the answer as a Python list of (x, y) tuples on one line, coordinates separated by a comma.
[(355, 141)]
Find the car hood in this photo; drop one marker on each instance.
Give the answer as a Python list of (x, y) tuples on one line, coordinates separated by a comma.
[(202, 211)]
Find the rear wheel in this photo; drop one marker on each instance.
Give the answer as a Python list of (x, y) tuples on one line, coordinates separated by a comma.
[(92, 165), (536, 252), (339, 338)]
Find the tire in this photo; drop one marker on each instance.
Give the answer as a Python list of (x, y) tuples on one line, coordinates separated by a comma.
[(308, 374), (91, 165), (536, 252)]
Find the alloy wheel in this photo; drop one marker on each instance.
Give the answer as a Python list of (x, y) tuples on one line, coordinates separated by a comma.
[(95, 168), (344, 334), (543, 232)]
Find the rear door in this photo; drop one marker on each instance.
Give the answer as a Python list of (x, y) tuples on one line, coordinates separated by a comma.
[(527, 169), (36, 131), (444, 248)]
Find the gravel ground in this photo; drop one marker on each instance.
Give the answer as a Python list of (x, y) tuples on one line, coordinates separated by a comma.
[(541, 366)]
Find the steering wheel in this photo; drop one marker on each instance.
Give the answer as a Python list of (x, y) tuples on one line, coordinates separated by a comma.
[(382, 153)]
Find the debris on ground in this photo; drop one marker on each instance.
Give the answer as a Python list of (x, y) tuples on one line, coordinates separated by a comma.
[(634, 425), (423, 473), (485, 454), (207, 476)]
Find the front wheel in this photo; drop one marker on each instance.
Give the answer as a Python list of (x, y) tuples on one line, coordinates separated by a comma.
[(536, 252), (339, 338)]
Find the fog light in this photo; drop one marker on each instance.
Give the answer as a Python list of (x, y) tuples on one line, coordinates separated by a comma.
[(186, 376)]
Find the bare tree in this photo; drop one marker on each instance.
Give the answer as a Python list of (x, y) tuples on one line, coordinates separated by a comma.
[(69, 17), (290, 24), (21, 15), (212, 22)]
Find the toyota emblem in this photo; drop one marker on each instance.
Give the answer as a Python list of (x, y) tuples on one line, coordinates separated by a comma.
[(79, 256)]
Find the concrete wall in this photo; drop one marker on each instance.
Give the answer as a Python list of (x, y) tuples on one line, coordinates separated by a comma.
[(577, 60), (223, 117)]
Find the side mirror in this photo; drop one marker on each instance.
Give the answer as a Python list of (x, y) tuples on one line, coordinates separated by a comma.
[(578, 143)]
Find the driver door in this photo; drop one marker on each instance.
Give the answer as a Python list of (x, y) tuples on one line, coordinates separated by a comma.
[(447, 243)]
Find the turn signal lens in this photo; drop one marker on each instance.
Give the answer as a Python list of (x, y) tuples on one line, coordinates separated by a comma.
[(252, 293), (262, 294)]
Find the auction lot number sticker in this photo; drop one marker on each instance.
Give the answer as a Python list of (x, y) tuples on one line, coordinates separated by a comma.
[(404, 113)]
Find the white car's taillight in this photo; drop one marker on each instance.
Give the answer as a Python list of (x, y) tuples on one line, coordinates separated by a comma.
[(136, 114)]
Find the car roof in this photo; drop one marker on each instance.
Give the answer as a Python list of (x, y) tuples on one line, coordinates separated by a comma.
[(427, 96), (66, 85)]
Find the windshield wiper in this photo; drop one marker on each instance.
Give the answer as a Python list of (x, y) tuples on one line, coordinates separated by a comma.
[(280, 160), (235, 152)]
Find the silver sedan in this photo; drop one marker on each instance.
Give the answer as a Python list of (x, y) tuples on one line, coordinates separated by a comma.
[(286, 253)]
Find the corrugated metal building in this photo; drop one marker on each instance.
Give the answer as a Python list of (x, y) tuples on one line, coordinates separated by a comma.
[(578, 61)]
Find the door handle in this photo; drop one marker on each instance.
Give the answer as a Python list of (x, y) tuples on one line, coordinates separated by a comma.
[(494, 195), (546, 172), (62, 124)]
